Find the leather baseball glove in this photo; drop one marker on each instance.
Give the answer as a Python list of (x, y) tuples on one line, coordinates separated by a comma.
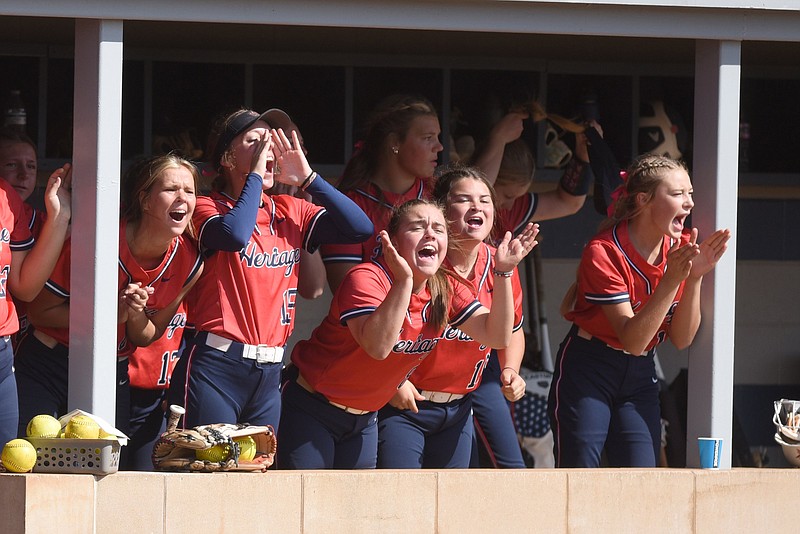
[(176, 450)]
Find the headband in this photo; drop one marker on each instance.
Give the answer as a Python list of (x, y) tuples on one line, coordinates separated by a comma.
[(275, 118)]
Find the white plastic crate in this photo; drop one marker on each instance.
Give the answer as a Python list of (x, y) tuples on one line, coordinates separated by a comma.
[(92, 456)]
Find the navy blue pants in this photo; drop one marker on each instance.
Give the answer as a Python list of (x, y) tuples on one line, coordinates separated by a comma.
[(317, 435), (42, 383), (494, 427), (147, 423), (222, 387), (602, 397), (439, 436), (9, 411)]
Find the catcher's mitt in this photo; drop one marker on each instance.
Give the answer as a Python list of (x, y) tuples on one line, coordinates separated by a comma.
[(177, 448)]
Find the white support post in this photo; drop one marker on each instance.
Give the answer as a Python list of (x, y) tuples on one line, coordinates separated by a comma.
[(95, 228), (715, 180)]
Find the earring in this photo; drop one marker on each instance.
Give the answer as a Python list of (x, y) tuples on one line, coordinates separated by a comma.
[(395, 150)]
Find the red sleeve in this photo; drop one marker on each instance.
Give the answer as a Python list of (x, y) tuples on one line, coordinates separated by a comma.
[(601, 276), (305, 214), (58, 282), (21, 237), (463, 304), (363, 289)]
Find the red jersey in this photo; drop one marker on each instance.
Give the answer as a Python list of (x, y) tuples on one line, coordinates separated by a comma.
[(180, 263), (612, 271), (514, 219), (151, 367), (336, 366), (249, 296), (378, 205), (14, 235), (35, 219), (457, 363)]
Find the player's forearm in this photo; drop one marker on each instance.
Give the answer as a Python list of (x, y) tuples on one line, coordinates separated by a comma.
[(490, 157), (640, 329), (512, 355), (311, 278), (344, 221), (51, 317), (139, 329), (336, 272), (499, 322), (378, 333), (38, 263), (686, 320), (232, 231)]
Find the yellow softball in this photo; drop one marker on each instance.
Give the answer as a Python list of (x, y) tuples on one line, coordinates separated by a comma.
[(43, 426), (82, 427), (19, 456), (217, 453), (247, 448)]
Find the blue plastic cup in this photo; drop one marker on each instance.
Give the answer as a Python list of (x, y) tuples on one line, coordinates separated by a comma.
[(710, 452)]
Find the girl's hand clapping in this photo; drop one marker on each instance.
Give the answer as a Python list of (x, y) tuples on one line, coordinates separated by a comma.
[(132, 300), (58, 194), (711, 250), (512, 251), (396, 263)]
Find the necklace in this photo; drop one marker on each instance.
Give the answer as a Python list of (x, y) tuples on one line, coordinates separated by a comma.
[(463, 271)]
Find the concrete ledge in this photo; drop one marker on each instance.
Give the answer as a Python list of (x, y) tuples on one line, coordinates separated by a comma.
[(542, 500)]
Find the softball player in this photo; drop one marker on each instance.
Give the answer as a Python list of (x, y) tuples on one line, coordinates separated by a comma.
[(158, 265), (150, 370), (508, 158), (393, 164), (428, 423), (25, 265), (150, 367), (384, 320), (638, 283), (19, 167), (243, 306)]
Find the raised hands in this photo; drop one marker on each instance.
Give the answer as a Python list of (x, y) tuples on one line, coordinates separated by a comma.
[(509, 128), (696, 260), (292, 162), (581, 142), (511, 251), (58, 194), (679, 260), (396, 263), (262, 155), (711, 250)]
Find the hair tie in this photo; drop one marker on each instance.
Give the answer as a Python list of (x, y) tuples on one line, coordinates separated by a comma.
[(617, 193), (208, 171)]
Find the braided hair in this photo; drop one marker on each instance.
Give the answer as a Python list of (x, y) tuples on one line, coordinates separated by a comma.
[(644, 175)]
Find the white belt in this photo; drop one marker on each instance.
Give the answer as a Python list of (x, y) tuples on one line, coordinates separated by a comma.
[(303, 383), (441, 397), (354, 411), (259, 353)]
